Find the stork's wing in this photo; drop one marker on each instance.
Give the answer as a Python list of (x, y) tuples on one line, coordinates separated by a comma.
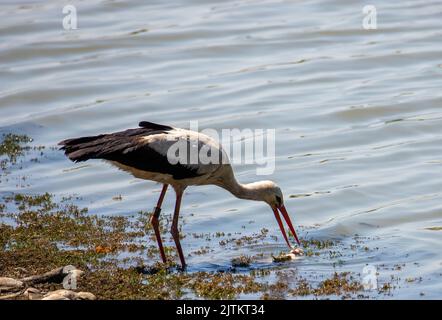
[(142, 148)]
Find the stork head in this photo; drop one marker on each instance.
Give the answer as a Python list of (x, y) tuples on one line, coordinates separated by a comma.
[(270, 193)]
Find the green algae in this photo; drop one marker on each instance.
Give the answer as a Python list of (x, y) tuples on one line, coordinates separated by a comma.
[(340, 284), (11, 148), (242, 261), (45, 234), (14, 150), (281, 257)]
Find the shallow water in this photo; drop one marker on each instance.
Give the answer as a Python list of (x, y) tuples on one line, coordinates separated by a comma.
[(357, 115)]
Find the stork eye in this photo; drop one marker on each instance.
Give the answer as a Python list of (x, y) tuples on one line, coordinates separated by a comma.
[(278, 200)]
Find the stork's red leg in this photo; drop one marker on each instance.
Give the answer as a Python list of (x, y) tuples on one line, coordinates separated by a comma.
[(174, 230), (155, 223)]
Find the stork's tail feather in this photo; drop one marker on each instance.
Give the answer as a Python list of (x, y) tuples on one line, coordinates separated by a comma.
[(81, 149), (110, 146)]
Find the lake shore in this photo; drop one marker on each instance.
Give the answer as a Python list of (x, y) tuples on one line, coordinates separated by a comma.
[(45, 235)]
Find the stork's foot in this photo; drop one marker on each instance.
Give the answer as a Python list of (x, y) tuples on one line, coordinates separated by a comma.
[(181, 268)]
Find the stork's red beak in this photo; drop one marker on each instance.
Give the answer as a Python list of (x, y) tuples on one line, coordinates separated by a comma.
[(289, 222)]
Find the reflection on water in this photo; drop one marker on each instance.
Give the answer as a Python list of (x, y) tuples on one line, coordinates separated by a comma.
[(357, 114)]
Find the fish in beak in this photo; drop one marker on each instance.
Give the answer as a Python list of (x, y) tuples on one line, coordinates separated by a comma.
[(288, 221)]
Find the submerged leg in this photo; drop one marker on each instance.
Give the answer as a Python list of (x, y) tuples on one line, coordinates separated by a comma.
[(174, 230), (155, 222)]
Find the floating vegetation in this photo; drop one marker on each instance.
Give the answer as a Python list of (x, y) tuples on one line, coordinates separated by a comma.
[(11, 148), (340, 284), (241, 261), (45, 234), (202, 251), (282, 257), (318, 244)]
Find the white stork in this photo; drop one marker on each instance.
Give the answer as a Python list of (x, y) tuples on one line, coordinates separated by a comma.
[(143, 153)]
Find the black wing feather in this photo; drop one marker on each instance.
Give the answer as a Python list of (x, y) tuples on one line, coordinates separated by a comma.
[(128, 148), (154, 126)]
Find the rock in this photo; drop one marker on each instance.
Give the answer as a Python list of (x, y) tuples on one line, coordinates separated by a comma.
[(10, 284), (85, 296), (66, 275), (71, 277), (55, 297), (60, 295), (33, 294), (10, 296), (67, 269), (76, 273), (63, 294)]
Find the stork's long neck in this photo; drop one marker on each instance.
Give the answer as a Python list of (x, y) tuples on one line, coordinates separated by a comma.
[(243, 191)]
